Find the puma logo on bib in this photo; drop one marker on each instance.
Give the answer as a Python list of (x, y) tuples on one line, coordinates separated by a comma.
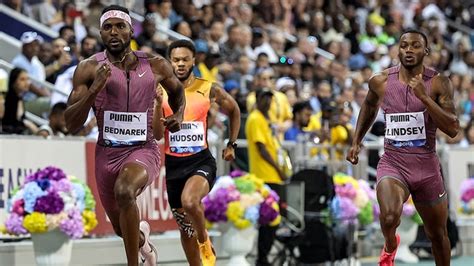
[(126, 128), (190, 139), (405, 129)]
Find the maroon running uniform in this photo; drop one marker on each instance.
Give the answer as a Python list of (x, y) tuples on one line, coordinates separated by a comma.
[(124, 111), (410, 140)]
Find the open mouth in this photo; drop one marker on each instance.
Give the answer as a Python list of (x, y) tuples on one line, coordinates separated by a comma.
[(114, 42)]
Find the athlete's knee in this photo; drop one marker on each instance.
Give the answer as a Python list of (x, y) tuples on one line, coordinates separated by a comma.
[(437, 235), (390, 219), (185, 225), (124, 194), (190, 203)]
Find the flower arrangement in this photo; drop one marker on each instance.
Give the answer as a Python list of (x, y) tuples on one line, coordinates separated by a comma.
[(467, 196), (243, 200), (49, 199), (356, 201)]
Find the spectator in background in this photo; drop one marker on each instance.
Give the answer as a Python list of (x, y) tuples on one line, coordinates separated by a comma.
[(320, 94), (89, 47), (43, 11), (28, 60), (280, 109), (57, 122), (71, 18), (160, 13), (45, 54), (468, 139), (183, 28), (231, 49), (14, 121), (149, 40), (19, 6), (301, 114), (61, 59), (263, 149)]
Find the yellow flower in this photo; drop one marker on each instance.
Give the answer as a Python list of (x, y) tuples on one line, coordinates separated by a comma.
[(342, 179), (265, 192), (234, 211), (242, 223), (3, 229), (35, 222), (89, 220), (276, 221)]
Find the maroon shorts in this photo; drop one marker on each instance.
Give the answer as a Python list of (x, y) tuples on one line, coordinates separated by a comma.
[(109, 161), (420, 173)]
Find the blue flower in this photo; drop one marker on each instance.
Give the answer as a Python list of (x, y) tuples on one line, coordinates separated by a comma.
[(252, 213), (43, 184), (31, 192), (80, 196)]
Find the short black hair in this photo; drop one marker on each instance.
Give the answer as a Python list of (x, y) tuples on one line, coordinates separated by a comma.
[(417, 32), (115, 7), (263, 92), (58, 108), (181, 43), (300, 106)]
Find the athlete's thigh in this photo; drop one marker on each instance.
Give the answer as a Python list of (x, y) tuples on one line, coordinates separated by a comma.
[(434, 215)]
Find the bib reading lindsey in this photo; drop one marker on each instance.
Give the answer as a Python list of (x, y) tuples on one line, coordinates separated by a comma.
[(190, 139), (125, 128), (405, 129)]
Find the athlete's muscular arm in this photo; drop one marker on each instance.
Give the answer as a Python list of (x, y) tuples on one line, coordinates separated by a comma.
[(88, 73), (441, 109), (158, 128), (174, 89), (230, 107), (368, 112)]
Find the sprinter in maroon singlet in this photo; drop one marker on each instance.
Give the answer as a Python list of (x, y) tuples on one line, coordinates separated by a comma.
[(120, 86), (416, 101)]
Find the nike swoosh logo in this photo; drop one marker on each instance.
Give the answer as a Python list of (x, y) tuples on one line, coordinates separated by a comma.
[(442, 194), (204, 172), (200, 92), (141, 75)]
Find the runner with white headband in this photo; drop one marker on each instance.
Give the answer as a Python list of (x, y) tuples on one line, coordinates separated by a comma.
[(120, 85)]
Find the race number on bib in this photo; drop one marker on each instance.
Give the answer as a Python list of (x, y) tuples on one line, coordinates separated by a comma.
[(190, 139), (405, 129), (125, 128)]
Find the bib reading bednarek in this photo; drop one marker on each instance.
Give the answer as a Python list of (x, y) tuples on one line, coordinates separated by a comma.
[(190, 139), (405, 129), (125, 128)]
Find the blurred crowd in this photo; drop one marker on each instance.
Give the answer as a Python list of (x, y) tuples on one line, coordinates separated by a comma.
[(315, 55)]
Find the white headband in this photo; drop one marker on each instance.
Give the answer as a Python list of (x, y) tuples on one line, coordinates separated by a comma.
[(115, 14)]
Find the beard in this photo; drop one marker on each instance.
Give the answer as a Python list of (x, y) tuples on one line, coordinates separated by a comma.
[(118, 49), (186, 76)]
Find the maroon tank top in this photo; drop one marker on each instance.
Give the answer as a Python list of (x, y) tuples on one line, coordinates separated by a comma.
[(408, 125), (124, 108)]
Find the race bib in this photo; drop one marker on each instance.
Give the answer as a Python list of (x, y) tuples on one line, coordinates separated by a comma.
[(190, 139), (405, 129), (125, 128)]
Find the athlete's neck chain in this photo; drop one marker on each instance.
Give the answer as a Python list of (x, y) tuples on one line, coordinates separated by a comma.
[(121, 60)]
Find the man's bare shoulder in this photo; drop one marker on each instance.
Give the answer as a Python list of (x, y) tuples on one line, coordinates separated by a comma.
[(88, 63), (155, 59), (378, 79)]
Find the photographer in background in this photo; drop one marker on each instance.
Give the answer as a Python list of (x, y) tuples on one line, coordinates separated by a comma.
[(61, 59)]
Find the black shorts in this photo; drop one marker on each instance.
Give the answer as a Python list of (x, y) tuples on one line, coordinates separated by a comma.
[(180, 169)]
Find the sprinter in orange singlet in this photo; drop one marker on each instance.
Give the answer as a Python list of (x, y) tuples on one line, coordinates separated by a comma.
[(190, 166)]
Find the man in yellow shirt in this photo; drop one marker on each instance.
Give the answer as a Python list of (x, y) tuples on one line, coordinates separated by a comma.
[(280, 113), (263, 159)]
